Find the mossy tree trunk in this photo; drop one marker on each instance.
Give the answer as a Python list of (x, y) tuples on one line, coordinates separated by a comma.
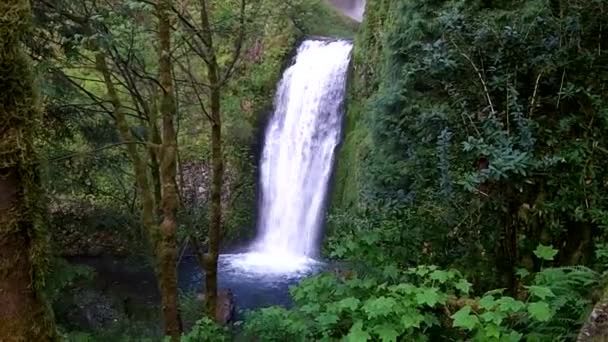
[(162, 246), (24, 315), (154, 166), (217, 164), (167, 248)]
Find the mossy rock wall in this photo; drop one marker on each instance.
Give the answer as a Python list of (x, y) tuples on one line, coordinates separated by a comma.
[(366, 68)]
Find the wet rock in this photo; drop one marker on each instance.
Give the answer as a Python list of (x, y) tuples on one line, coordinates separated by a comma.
[(226, 308)]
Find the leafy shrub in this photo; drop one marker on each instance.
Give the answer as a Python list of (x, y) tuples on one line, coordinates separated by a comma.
[(205, 330), (426, 303)]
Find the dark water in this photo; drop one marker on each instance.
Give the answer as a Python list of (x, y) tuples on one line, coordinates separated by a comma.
[(252, 288)]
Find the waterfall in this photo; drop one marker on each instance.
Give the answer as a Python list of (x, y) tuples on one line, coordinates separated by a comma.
[(298, 157), (300, 141)]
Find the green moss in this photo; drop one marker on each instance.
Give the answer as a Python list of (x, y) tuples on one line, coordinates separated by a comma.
[(364, 80), (322, 19), (23, 244)]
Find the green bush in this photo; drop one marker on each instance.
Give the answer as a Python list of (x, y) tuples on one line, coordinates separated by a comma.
[(426, 303)]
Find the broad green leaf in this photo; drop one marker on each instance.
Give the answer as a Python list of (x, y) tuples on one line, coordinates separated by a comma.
[(387, 332), (411, 318), (357, 333), (541, 292), (327, 320), (545, 252), (442, 276), (495, 317), (464, 319), (403, 288), (487, 302), (310, 308), (492, 330), (513, 336), (422, 270), (463, 286), (522, 272), (350, 303), (509, 304), (540, 311), (379, 307), (428, 296)]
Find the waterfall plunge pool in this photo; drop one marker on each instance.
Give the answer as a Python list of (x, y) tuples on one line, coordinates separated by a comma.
[(256, 280)]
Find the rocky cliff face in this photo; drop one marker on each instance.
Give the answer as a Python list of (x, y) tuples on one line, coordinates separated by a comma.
[(352, 8)]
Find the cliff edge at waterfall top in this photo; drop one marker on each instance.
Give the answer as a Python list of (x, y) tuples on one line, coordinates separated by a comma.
[(352, 8), (297, 160)]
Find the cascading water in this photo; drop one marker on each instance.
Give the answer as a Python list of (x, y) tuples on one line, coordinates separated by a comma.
[(298, 153), (295, 168), (297, 160)]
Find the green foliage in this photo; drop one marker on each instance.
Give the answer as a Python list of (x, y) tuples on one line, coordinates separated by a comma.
[(426, 303), (205, 330), (475, 134), (319, 18)]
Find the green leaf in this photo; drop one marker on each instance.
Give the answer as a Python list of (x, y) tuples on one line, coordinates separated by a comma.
[(387, 332), (428, 296), (487, 302), (310, 308), (509, 304), (495, 292), (463, 319), (463, 286), (522, 272), (327, 320), (492, 330), (403, 288), (378, 307), (357, 333), (350, 303), (442, 276), (541, 292), (514, 336), (495, 317), (545, 252), (411, 318), (540, 311)]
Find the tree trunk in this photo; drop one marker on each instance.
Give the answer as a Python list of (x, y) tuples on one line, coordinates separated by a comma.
[(24, 315), (167, 248), (217, 165), (156, 236), (216, 205)]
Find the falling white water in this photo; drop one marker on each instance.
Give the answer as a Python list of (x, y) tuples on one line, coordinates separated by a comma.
[(297, 160)]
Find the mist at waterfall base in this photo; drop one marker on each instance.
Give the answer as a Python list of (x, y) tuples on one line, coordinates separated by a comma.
[(295, 170)]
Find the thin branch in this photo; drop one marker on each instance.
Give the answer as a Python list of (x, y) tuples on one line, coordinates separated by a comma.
[(483, 82), (238, 44), (534, 95)]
